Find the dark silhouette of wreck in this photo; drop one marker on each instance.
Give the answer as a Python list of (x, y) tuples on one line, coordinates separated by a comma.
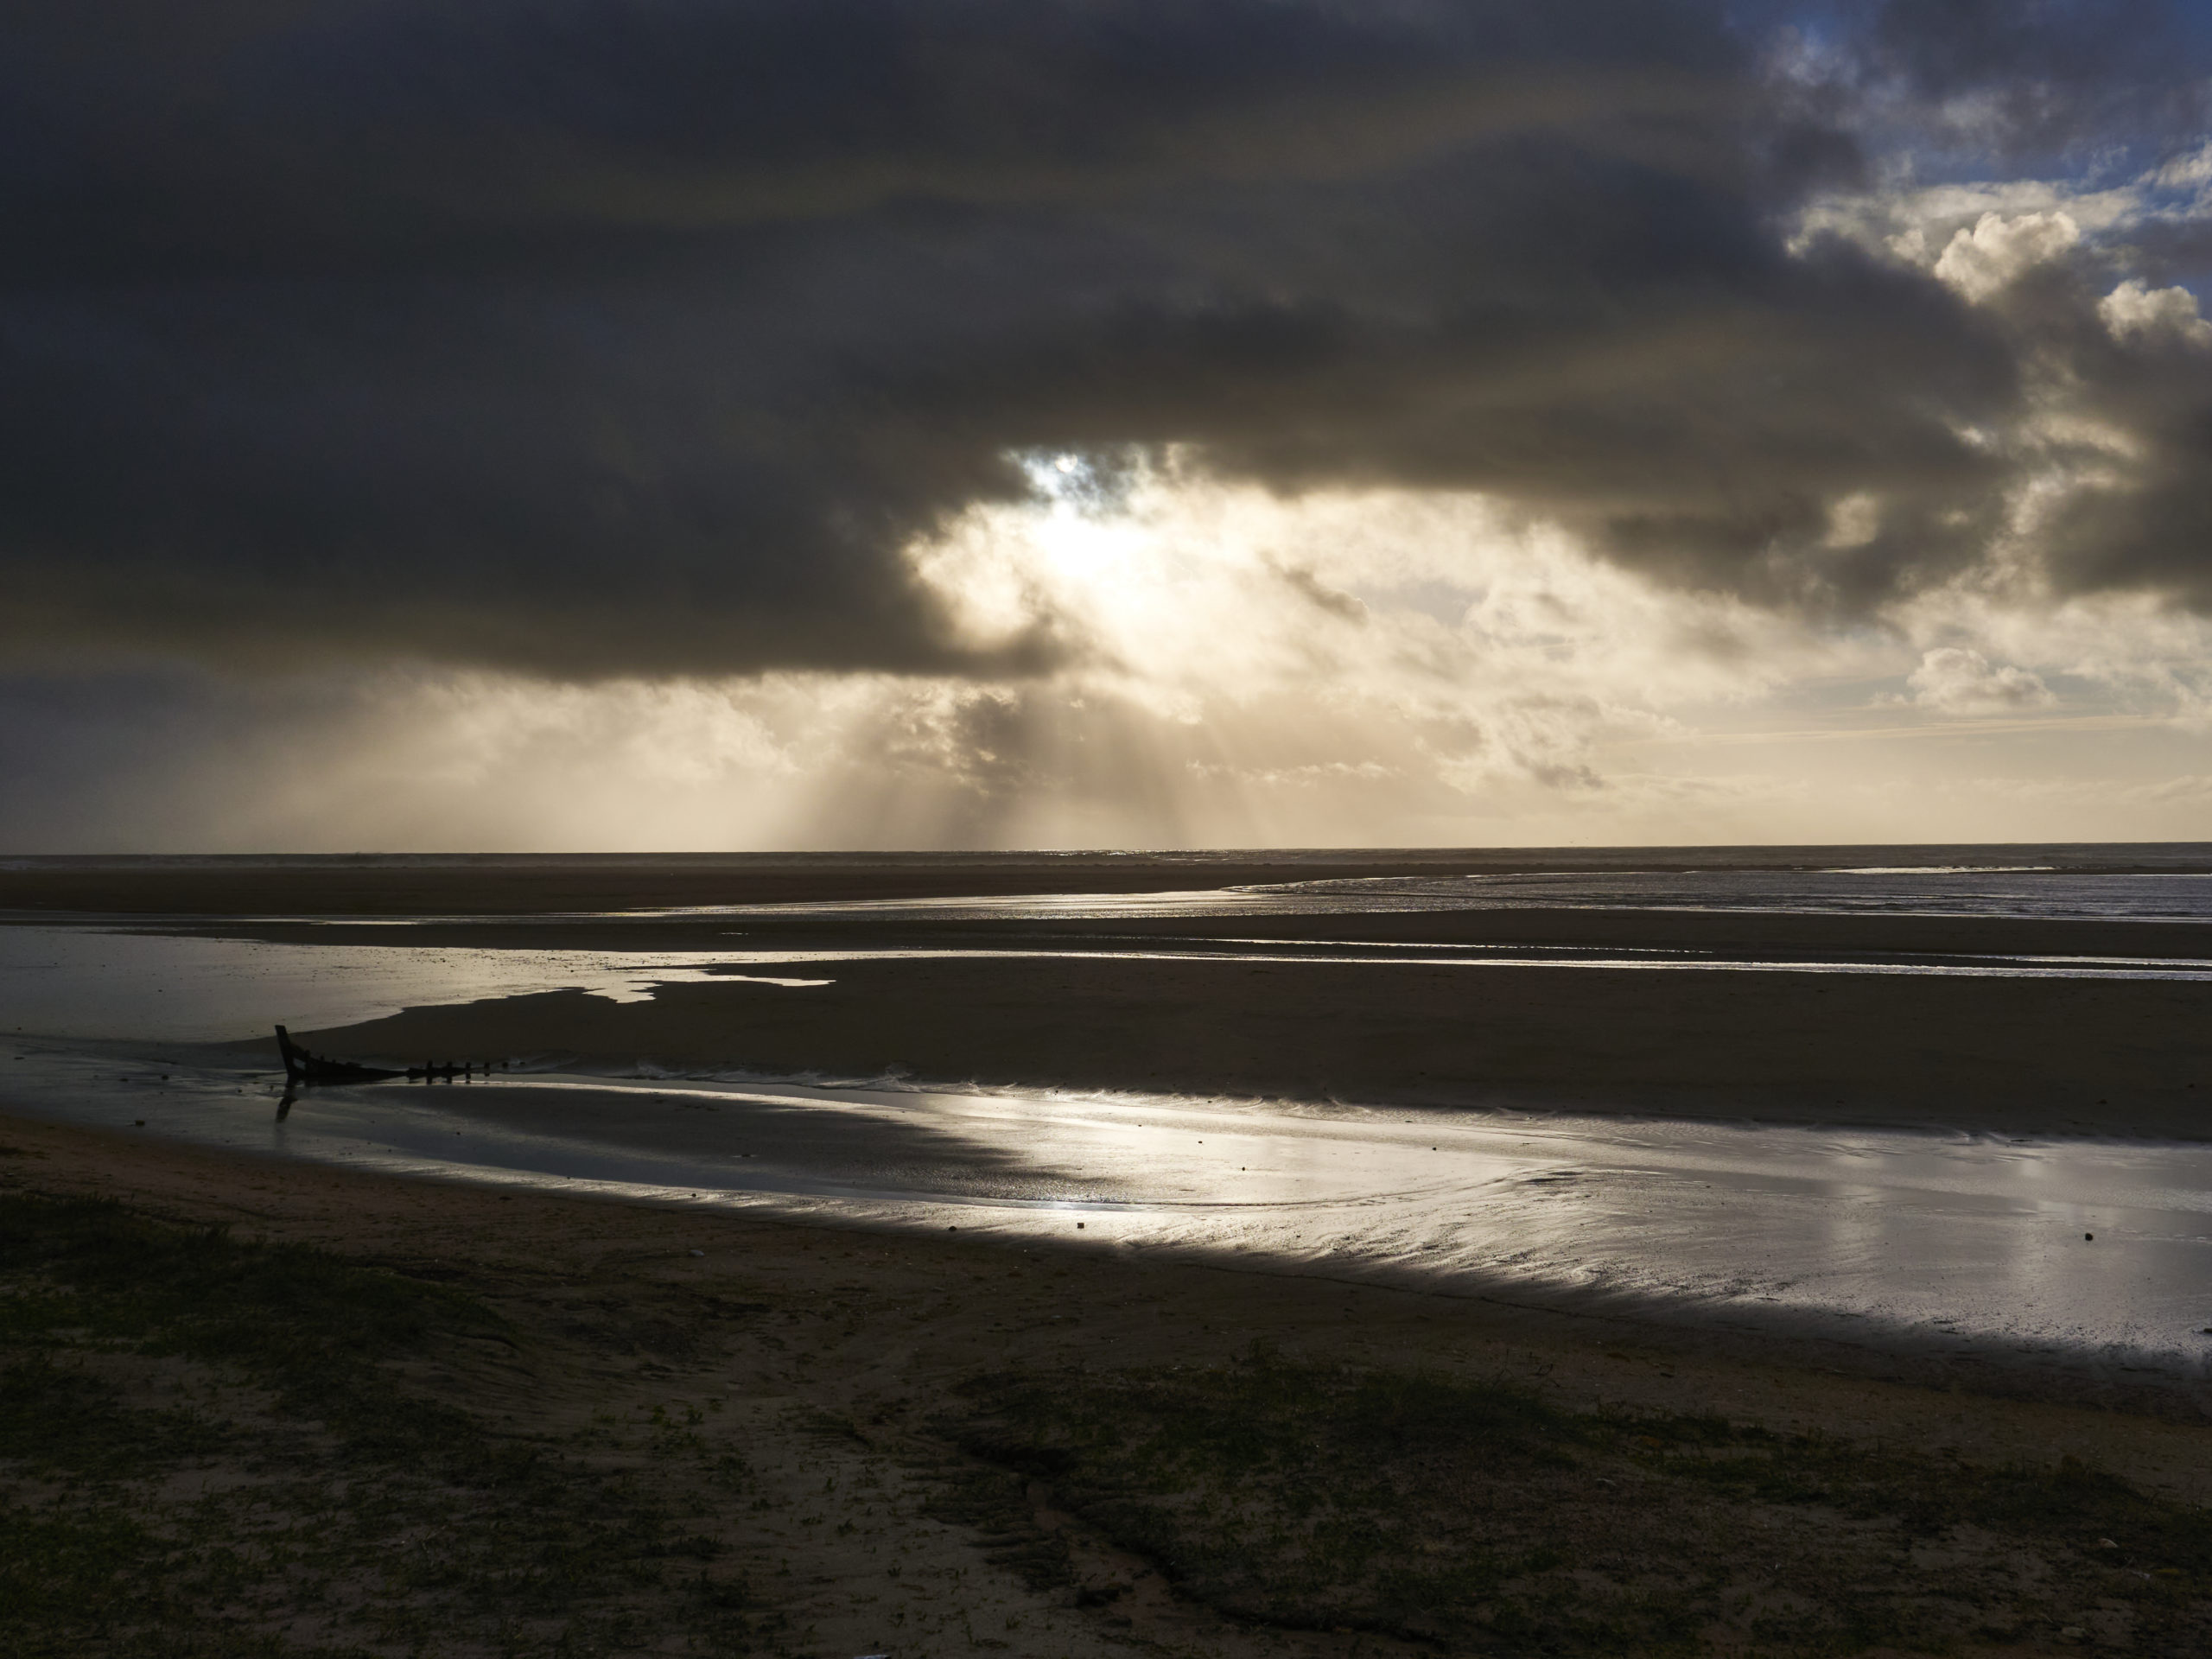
[(300, 1066)]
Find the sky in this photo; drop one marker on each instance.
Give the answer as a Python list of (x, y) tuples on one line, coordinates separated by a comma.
[(655, 424)]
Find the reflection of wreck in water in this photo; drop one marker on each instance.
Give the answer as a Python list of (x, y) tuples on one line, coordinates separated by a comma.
[(302, 1068)]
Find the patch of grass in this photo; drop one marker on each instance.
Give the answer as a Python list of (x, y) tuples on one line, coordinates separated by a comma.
[(59, 1419), (318, 1329), (1478, 1518), (203, 1441)]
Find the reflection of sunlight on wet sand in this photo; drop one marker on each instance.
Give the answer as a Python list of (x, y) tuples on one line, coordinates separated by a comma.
[(1940, 1238)]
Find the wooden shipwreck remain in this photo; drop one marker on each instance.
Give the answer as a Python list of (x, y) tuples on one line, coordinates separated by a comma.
[(300, 1066)]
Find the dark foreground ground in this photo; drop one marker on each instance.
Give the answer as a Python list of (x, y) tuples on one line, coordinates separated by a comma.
[(248, 1408)]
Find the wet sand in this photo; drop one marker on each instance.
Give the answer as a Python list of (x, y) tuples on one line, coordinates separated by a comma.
[(2023, 1057), (1095, 1001), (2049, 1265)]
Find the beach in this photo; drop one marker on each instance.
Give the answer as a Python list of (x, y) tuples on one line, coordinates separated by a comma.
[(978, 1352)]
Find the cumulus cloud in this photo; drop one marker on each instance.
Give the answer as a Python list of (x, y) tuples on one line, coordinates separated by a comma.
[(1998, 251), (2133, 311)]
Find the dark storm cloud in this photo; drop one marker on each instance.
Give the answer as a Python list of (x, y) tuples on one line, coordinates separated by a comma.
[(2145, 521), (597, 338), (2039, 76)]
